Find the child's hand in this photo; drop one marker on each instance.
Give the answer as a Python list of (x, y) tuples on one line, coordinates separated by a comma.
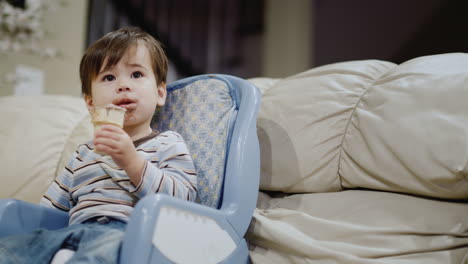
[(116, 143)]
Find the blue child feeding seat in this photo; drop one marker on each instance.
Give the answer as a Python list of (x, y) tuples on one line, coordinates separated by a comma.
[(216, 115)]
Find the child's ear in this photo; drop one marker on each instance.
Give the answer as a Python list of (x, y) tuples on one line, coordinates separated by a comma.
[(89, 102), (162, 92)]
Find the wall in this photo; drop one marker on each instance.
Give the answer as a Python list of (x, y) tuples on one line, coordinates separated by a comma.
[(368, 29), (67, 27), (302, 34), (288, 45)]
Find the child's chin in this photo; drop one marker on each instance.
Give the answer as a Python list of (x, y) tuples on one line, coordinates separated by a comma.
[(130, 122)]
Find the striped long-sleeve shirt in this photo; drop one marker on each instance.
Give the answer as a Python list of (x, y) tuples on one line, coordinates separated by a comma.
[(92, 185)]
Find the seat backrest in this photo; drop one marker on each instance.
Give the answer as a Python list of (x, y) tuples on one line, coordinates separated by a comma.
[(203, 110)]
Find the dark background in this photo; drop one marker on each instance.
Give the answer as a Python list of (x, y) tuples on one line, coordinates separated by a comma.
[(208, 36)]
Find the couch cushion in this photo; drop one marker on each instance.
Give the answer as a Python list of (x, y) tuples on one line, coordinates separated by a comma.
[(409, 132), (33, 134), (359, 227), (302, 121)]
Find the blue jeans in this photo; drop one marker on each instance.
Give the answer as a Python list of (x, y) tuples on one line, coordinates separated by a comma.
[(94, 242)]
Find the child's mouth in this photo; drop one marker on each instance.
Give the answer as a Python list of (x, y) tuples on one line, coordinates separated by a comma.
[(126, 103)]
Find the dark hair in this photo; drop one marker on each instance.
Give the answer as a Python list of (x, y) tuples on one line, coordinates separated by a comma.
[(112, 47)]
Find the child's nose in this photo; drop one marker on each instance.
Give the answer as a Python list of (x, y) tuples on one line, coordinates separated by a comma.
[(124, 88)]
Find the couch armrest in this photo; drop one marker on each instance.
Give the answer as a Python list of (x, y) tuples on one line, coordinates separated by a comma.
[(18, 217), (160, 226)]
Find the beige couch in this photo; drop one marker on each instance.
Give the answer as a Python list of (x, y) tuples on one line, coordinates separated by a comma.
[(365, 162), (362, 162)]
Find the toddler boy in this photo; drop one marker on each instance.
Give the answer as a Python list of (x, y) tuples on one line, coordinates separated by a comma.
[(126, 68)]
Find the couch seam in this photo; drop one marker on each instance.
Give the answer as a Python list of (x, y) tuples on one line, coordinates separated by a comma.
[(347, 126)]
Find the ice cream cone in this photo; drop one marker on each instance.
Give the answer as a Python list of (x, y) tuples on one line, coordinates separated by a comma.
[(110, 114)]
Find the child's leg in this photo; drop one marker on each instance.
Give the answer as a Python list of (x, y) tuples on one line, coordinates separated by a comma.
[(62, 256), (36, 247), (100, 243), (68, 248)]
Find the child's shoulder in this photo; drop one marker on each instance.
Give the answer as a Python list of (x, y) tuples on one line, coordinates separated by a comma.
[(165, 138), (85, 149), (170, 135), (84, 154), (162, 142)]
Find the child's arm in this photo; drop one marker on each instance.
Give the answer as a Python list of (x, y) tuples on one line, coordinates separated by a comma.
[(175, 174), (58, 194), (113, 141)]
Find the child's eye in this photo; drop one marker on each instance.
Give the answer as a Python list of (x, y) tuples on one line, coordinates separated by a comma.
[(108, 78), (137, 75)]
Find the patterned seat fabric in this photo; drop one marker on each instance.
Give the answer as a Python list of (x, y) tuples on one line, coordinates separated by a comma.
[(202, 110)]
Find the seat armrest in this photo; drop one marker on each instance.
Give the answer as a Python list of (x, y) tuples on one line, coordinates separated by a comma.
[(161, 225), (18, 217)]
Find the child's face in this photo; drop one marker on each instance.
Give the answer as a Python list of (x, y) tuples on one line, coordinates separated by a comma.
[(130, 84)]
